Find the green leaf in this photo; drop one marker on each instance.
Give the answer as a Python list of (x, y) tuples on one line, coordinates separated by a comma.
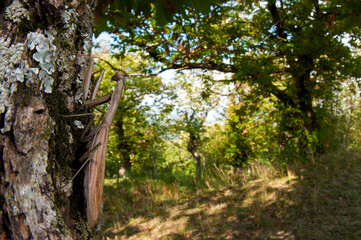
[(119, 5), (119, 19), (161, 15), (132, 4), (204, 6), (100, 26)]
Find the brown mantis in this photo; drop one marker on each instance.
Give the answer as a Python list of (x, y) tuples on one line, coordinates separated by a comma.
[(94, 174)]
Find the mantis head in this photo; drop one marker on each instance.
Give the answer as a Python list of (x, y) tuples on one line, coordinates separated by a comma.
[(118, 76)]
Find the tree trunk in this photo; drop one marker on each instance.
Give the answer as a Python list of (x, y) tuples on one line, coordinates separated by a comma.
[(305, 85), (155, 164), (193, 149), (204, 165), (40, 80), (124, 148)]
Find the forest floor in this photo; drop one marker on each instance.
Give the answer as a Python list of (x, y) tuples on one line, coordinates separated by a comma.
[(313, 201)]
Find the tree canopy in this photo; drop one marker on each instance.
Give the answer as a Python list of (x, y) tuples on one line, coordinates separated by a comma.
[(295, 54)]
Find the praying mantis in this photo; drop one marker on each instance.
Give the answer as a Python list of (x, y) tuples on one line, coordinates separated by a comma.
[(94, 173)]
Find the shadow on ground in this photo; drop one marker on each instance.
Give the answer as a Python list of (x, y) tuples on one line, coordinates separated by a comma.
[(320, 201)]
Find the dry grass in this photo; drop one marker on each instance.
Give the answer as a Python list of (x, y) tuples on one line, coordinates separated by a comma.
[(316, 201)]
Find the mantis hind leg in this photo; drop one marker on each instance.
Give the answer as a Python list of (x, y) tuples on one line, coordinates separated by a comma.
[(86, 156)]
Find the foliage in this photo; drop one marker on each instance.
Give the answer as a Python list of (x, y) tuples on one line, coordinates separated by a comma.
[(250, 127), (290, 50), (347, 115), (125, 12)]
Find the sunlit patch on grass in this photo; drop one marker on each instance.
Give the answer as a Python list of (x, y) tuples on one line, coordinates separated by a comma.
[(314, 201)]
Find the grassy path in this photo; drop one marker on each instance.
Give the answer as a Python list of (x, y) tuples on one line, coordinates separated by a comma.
[(321, 201)]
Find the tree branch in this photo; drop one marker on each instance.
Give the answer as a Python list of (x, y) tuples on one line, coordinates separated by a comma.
[(277, 20), (127, 74), (111, 66), (222, 67)]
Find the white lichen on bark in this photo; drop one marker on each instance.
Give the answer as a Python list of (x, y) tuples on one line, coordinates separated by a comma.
[(79, 124), (16, 12), (14, 69), (45, 55), (70, 20), (10, 56)]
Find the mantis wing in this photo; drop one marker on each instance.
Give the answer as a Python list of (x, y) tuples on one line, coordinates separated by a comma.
[(94, 177)]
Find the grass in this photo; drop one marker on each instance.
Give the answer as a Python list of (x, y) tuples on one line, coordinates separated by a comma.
[(314, 201)]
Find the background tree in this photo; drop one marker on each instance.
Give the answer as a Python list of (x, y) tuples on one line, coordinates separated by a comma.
[(190, 112)]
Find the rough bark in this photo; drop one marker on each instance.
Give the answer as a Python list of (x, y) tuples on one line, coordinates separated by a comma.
[(40, 79)]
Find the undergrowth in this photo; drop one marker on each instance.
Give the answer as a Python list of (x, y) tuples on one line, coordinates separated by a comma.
[(310, 201)]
